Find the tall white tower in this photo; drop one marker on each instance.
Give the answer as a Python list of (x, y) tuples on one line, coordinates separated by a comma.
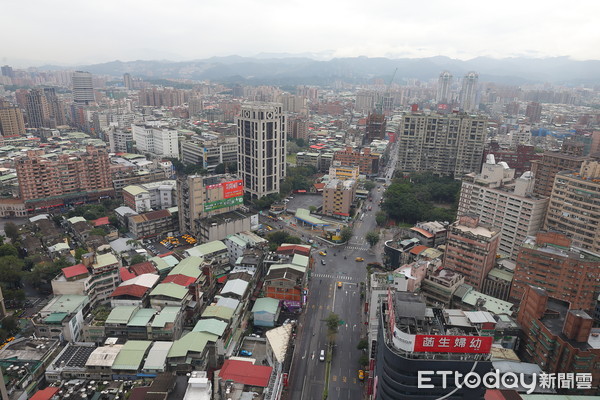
[(468, 94), (444, 85), (261, 141), (83, 89)]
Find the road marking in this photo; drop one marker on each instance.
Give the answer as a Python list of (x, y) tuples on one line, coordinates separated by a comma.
[(344, 379), (334, 378), (355, 381)]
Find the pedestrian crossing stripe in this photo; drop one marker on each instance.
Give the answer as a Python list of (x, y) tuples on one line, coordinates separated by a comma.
[(337, 277)]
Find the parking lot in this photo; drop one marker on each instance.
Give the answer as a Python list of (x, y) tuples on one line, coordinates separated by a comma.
[(304, 201)]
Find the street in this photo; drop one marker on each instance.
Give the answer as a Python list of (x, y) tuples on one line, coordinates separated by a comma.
[(307, 376)]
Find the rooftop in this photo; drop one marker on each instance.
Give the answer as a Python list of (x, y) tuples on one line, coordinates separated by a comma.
[(172, 290), (211, 325), (157, 356), (65, 303), (131, 355), (245, 372), (75, 270), (104, 356), (121, 315), (191, 342), (166, 316)]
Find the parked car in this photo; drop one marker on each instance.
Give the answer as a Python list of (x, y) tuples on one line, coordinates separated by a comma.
[(245, 353)]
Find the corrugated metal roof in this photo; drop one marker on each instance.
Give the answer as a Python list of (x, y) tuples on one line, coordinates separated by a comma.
[(142, 317), (75, 270), (134, 190), (121, 314), (220, 312), (211, 325), (245, 372), (189, 266), (209, 248), (191, 342), (266, 304), (170, 290), (279, 338), (167, 315), (157, 356), (229, 303), (131, 355), (235, 286), (301, 260)]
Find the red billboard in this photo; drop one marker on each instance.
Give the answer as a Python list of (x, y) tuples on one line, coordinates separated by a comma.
[(233, 189), (453, 344)]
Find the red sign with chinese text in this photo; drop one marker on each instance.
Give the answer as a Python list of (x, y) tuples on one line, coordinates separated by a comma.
[(453, 344), (233, 189)]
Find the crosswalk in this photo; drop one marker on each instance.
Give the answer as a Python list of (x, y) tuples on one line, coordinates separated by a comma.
[(357, 247), (333, 276)]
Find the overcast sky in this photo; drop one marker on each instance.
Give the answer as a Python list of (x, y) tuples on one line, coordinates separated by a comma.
[(72, 32)]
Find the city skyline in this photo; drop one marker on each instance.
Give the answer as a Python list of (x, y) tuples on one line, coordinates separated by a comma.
[(101, 32)]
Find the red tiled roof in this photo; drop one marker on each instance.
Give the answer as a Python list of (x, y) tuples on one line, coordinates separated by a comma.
[(74, 270), (422, 232), (222, 279), (125, 274), (145, 267), (319, 185), (130, 290), (180, 280), (418, 249), (101, 221), (166, 254), (245, 372), (45, 394), (293, 249)]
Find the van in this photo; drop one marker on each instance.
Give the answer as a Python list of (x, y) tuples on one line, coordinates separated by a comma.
[(322, 356)]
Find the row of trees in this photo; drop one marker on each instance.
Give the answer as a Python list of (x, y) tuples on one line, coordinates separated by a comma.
[(414, 198)]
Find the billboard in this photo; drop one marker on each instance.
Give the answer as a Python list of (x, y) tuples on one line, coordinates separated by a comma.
[(215, 205), (233, 189), (453, 344)]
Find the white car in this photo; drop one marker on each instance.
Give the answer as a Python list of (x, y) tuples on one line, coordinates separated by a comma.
[(322, 356)]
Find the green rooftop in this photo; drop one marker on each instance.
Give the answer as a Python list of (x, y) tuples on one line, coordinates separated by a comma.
[(211, 325), (304, 215), (55, 318), (170, 290), (167, 315), (121, 315), (104, 260), (66, 303), (131, 355), (189, 266), (300, 260), (207, 248), (266, 304), (221, 312), (142, 317), (191, 342)]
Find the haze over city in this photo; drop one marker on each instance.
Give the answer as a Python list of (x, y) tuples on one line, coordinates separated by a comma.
[(79, 33)]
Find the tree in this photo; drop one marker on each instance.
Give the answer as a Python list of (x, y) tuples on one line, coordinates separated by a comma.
[(134, 243), (8, 249), (380, 218), (113, 220), (292, 147), (369, 185), (2, 239), (346, 233), (98, 232), (372, 238), (12, 231), (11, 271), (10, 324), (363, 344), (78, 253), (333, 323), (312, 209)]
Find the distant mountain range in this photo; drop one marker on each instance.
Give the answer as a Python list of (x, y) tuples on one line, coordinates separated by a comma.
[(267, 69)]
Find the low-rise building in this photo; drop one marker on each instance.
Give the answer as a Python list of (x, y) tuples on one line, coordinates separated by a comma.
[(62, 318), (152, 224)]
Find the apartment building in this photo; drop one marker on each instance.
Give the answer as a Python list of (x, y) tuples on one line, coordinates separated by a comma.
[(11, 119), (262, 147), (48, 178), (209, 153), (161, 141), (574, 207), (367, 162), (338, 196), (471, 249), (443, 144), (569, 158), (550, 261), (502, 201)]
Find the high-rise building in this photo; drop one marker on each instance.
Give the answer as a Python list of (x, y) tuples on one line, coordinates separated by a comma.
[(37, 109), (161, 141), (292, 103), (444, 93), (412, 337), (83, 88), (520, 158), (120, 141), (471, 249), (262, 144), (574, 206), (569, 158), (338, 196), (568, 273), (502, 201), (200, 197), (559, 338), (365, 101), (298, 127), (375, 129), (11, 119), (56, 111), (468, 93), (50, 179), (443, 144), (533, 112), (127, 81), (8, 71)]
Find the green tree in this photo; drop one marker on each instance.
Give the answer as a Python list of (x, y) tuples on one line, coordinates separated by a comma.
[(8, 249), (369, 185), (12, 231), (10, 324), (11, 271), (2, 239), (333, 323), (98, 232), (292, 147), (346, 233), (312, 209), (380, 218), (79, 252), (363, 344), (113, 220), (363, 360), (134, 243), (372, 238)]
